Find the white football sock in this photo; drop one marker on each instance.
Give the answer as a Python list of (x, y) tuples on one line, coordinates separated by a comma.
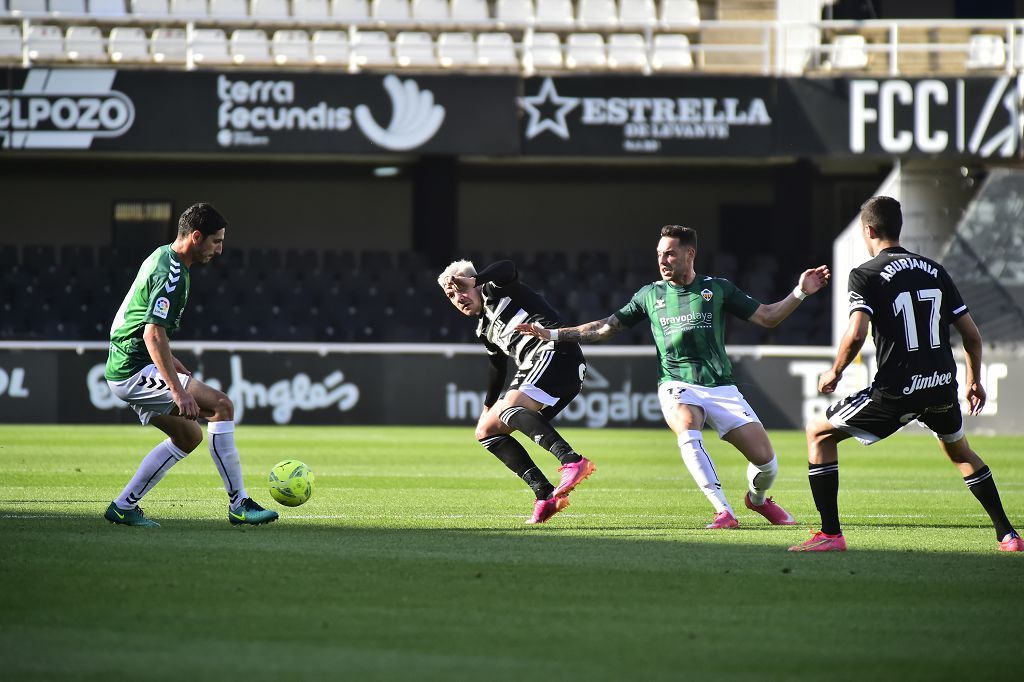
[(229, 463), (697, 460), (760, 478), (153, 467)]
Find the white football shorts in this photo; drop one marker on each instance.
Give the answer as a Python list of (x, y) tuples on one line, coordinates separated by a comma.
[(724, 407), (146, 392)]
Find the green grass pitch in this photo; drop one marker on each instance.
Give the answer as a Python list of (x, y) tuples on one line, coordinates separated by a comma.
[(411, 563)]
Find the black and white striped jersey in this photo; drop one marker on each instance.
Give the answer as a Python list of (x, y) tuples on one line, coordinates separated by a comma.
[(912, 300), (507, 302)]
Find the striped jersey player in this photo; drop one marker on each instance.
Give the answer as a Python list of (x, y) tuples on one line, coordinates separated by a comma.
[(548, 377), (687, 314)]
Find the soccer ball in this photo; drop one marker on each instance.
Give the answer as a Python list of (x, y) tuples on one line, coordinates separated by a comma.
[(291, 482)]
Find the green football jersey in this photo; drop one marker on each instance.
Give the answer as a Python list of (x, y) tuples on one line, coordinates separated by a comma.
[(688, 324), (157, 296)]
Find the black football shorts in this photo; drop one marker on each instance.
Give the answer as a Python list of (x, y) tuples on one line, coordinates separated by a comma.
[(554, 380), (870, 418)]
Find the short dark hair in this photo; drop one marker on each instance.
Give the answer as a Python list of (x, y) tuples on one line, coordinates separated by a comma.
[(202, 218), (883, 214), (687, 236)]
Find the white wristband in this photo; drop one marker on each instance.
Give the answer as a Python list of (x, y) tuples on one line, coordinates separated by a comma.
[(799, 293), (554, 334)]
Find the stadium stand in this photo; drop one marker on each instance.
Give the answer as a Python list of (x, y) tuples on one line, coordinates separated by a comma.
[(303, 294)]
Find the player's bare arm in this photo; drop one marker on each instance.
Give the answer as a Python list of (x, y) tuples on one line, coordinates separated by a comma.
[(159, 347), (849, 347), (591, 332), (971, 337), (811, 282)]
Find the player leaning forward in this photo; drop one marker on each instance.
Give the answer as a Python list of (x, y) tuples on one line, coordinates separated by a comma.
[(142, 372), (910, 302), (687, 313), (548, 377)]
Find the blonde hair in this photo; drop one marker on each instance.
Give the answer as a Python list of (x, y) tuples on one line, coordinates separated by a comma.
[(459, 268)]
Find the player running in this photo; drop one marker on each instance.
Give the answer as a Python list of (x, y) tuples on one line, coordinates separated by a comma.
[(548, 376), (687, 315), (910, 301), (142, 372)]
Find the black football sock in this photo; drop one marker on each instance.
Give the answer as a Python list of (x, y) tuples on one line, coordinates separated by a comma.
[(824, 479), (541, 432), (983, 486), (514, 456)]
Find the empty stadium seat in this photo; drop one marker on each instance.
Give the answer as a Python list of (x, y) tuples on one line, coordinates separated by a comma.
[(546, 51), (210, 46), (679, 13), (986, 52), (228, 9), (10, 42), (637, 13), (456, 49), (671, 53), (269, 9), (390, 10), (496, 50), (20, 7), (848, 52), (45, 43), (372, 48), (169, 45), (291, 47), (84, 44), (189, 8), (554, 13), (127, 44), (585, 51), (249, 46), (107, 8), (330, 47), (311, 9), (470, 11), (591, 14), (67, 6), (430, 10), (627, 52), (513, 12), (350, 10), (414, 48), (150, 8)]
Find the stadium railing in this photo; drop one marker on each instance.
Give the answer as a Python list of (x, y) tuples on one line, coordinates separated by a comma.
[(884, 47)]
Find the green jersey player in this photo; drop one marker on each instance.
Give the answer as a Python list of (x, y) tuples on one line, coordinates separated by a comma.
[(687, 312), (142, 372)]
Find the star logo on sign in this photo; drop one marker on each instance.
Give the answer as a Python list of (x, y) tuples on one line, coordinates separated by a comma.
[(547, 95)]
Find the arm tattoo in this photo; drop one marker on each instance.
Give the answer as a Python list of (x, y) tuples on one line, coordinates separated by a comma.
[(592, 332)]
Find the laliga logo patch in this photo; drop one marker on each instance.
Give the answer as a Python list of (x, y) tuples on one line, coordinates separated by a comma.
[(415, 118), (706, 294), (162, 307)]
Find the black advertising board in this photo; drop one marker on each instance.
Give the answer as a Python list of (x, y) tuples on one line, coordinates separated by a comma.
[(249, 111), (652, 116), (605, 116), (896, 117)]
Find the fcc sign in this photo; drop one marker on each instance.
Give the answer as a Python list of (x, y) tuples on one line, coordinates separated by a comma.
[(976, 117)]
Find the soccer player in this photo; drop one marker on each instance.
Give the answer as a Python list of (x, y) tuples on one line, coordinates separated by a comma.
[(687, 314), (548, 376), (910, 301), (142, 372)]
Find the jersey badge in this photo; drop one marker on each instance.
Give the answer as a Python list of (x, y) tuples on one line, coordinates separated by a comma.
[(162, 307), (659, 304), (706, 294)]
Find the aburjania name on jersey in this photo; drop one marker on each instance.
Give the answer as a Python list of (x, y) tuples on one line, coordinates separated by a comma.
[(680, 117)]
